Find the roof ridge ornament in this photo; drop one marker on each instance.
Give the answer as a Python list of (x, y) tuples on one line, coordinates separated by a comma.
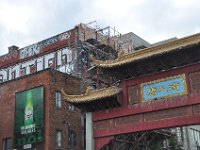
[(120, 54), (88, 90)]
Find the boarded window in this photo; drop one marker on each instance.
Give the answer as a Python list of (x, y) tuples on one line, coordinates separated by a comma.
[(58, 99), (71, 140), (7, 144), (58, 138)]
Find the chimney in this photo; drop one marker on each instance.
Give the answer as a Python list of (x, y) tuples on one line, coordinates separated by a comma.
[(12, 48)]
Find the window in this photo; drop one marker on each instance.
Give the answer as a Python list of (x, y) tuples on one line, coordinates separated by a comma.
[(58, 99), (23, 72), (196, 137), (71, 140), (179, 134), (58, 138), (1, 78), (71, 107), (166, 144), (7, 144)]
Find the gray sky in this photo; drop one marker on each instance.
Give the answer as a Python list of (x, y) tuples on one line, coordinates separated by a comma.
[(24, 22)]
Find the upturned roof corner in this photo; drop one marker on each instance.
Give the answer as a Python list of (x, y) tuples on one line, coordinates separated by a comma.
[(92, 95), (126, 58)]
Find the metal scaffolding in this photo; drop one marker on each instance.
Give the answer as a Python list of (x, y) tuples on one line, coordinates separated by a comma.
[(148, 140)]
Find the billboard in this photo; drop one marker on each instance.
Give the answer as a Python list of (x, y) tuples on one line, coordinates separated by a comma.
[(29, 117)]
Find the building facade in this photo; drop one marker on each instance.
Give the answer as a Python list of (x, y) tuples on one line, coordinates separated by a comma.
[(54, 122), (33, 113)]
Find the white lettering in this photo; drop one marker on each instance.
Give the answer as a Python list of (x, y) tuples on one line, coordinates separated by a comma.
[(49, 60), (59, 58), (29, 51), (40, 64), (3, 75), (64, 36), (14, 72), (26, 66), (28, 129), (64, 57), (35, 49), (69, 68)]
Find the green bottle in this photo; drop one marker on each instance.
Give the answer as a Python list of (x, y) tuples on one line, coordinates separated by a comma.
[(28, 112)]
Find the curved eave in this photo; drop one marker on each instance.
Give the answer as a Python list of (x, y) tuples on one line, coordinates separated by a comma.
[(149, 52), (92, 95)]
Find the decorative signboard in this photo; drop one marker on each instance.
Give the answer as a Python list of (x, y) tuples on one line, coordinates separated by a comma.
[(61, 58), (29, 117), (163, 88)]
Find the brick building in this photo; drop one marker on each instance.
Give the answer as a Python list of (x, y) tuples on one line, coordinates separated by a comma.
[(33, 114), (57, 117)]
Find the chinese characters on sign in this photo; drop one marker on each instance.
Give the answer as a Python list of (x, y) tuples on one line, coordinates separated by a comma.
[(167, 87)]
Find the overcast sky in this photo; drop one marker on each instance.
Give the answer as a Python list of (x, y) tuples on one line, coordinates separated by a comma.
[(24, 22)]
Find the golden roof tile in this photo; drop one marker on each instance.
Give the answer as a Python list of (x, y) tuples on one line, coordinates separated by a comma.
[(148, 52), (92, 95)]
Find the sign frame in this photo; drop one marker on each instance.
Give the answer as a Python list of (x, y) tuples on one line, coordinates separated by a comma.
[(153, 89), (29, 117)]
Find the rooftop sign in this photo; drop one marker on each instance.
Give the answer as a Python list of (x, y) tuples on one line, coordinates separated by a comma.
[(35, 49), (62, 57)]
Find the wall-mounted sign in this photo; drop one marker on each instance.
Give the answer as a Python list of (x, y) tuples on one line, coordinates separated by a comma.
[(62, 57), (27, 146), (29, 117), (162, 88), (35, 49)]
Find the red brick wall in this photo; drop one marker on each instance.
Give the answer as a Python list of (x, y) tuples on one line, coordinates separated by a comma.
[(9, 58), (62, 118), (7, 100), (54, 119)]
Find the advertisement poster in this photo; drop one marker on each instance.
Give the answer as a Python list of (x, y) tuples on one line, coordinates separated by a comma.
[(29, 117)]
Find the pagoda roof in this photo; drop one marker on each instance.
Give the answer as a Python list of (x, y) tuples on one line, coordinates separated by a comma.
[(127, 58), (92, 95)]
